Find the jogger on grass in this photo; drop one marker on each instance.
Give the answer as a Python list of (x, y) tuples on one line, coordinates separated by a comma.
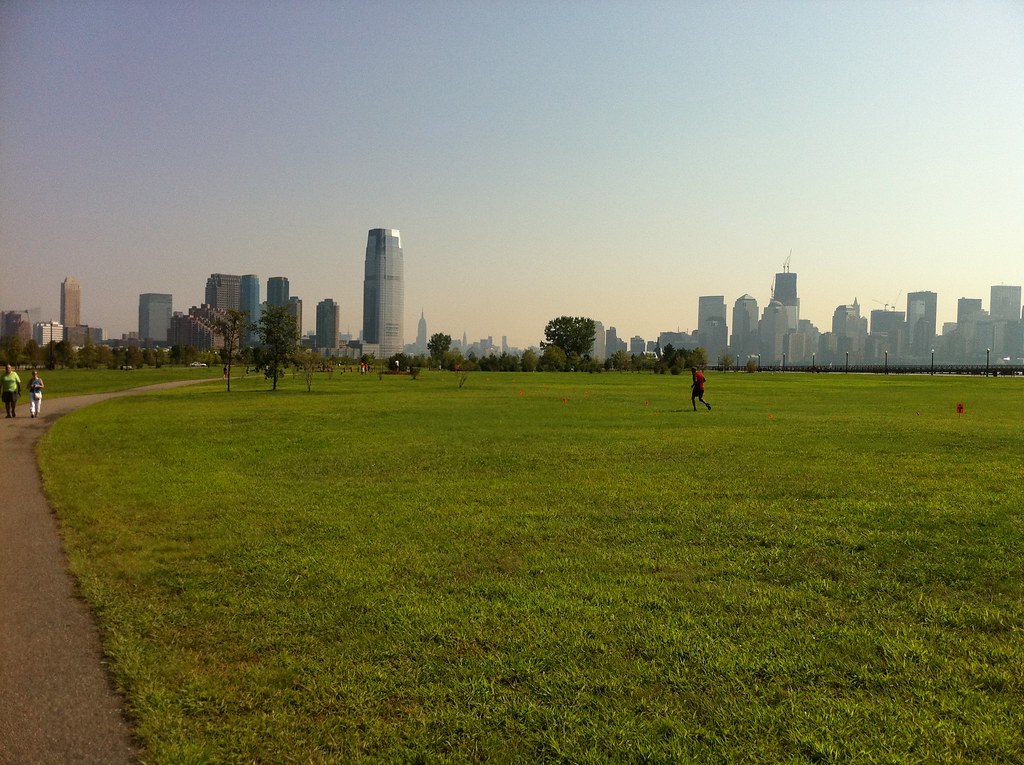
[(697, 389)]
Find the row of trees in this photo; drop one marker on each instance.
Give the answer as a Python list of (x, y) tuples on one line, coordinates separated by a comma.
[(567, 347)]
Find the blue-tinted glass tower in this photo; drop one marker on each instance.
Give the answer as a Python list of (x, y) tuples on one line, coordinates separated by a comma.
[(384, 292)]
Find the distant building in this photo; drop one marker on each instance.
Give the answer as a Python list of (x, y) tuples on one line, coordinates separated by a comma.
[(612, 344), (249, 301), (196, 328), (597, 351), (70, 302), (772, 331), (277, 291), (850, 330), (921, 323), (224, 291), (1007, 325), (885, 335), (421, 335), (295, 309), (17, 324), (712, 330), (327, 324), (637, 346), (384, 291), (1004, 304), (155, 313), (744, 327), (45, 333), (785, 294)]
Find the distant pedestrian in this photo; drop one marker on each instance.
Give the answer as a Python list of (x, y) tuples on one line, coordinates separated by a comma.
[(10, 390), (35, 394), (697, 389)]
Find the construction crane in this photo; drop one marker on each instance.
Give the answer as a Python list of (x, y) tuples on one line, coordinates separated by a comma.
[(889, 306)]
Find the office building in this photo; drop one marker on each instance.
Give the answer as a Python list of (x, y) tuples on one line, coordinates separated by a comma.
[(1004, 304), (327, 324), (384, 292), (70, 302), (712, 330), (249, 302), (154, 317), (277, 291), (295, 309), (921, 323), (224, 291), (48, 332), (744, 327), (1007, 327), (784, 293), (850, 330)]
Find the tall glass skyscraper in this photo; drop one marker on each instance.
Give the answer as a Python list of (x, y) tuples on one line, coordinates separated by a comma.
[(277, 291), (384, 292), (250, 302), (327, 324), (154, 317)]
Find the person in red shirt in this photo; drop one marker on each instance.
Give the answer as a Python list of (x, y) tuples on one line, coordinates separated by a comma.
[(697, 389)]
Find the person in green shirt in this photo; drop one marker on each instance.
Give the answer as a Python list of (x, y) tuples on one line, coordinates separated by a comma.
[(10, 386)]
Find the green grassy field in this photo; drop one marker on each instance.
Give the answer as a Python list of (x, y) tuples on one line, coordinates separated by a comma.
[(557, 568), (77, 382)]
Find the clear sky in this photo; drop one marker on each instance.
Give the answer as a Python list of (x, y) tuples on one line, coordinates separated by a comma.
[(608, 159)]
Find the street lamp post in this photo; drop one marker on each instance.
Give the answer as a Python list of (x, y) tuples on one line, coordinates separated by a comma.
[(813, 365), (783, 362), (933, 361), (987, 352), (887, 362), (847, 361)]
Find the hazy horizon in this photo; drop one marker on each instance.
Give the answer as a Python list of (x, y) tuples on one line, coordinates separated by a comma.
[(608, 159)]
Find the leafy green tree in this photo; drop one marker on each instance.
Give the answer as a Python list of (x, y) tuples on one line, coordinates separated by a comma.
[(573, 334), (698, 358), (133, 357), (619, 360), (553, 359), (439, 344), (87, 355), (230, 327), (11, 345), (726, 361), (280, 336), (65, 354), (33, 354), (530, 360), (399, 362)]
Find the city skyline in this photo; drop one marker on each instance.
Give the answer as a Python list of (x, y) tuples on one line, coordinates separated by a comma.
[(718, 334), (610, 160)]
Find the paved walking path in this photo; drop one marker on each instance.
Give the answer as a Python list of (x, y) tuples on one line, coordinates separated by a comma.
[(57, 704)]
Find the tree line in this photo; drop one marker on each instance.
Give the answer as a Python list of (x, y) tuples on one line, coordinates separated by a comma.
[(567, 347)]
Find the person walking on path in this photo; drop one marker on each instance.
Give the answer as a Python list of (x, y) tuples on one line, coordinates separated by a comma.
[(35, 394), (10, 390), (697, 389)]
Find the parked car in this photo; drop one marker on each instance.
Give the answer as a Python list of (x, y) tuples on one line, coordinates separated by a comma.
[(197, 364)]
